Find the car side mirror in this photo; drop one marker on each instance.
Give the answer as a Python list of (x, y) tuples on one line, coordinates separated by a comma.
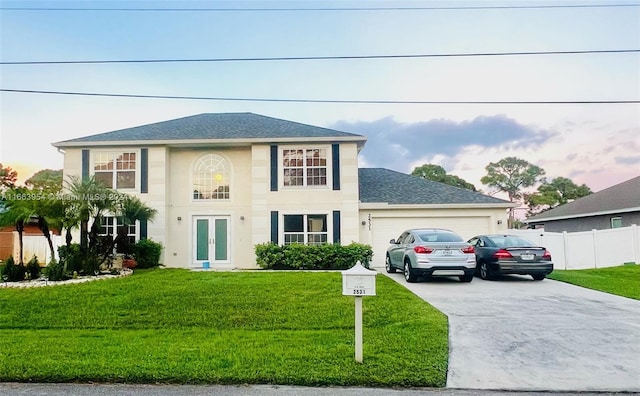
[(393, 241)]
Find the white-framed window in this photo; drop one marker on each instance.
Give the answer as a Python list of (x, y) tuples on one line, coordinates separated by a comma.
[(305, 166), (616, 222), (115, 169), (211, 176), (310, 229), (109, 226)]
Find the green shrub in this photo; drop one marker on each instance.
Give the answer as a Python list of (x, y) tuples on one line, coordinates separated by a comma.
[(33, 267), (312, 257), (13, 272), (269, 256), (147, 253), (55, 271), (70, 256)]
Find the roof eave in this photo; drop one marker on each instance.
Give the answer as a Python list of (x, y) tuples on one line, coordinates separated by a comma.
[(386, 205), (580, 215), (360, 140)]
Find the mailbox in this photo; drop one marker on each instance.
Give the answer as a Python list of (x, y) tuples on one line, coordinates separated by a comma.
[(359, 281)]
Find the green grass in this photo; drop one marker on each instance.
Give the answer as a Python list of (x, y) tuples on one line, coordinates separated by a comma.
[(622, 281), (176, 326)]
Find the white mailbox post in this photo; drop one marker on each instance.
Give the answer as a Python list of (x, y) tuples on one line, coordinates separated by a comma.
[(358, 282)]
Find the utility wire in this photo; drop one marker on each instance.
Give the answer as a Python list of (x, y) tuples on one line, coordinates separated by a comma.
[(529, 102), (300, 58), (296, 9)]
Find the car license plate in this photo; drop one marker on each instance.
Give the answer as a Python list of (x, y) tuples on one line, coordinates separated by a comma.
[(527, 256), (447, 252)]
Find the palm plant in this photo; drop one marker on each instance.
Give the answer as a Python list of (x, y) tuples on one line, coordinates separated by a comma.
[(17, 211), (131, 210)]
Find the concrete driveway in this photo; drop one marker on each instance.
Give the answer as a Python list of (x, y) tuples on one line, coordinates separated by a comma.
[(518, 334)]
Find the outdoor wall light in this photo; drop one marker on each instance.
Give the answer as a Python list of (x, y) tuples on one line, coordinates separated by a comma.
[(242, 218), (179, 218), (499, 221)]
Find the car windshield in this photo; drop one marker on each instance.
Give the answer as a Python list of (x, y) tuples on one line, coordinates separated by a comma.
[(438, 236), (502, 241)]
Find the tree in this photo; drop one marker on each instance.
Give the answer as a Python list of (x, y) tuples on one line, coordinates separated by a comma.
[(17, 211), (129, 211), (45, 187), (439, 174), (46, 180), (511, 175), (87, 200), (550, 195), (8, 178)]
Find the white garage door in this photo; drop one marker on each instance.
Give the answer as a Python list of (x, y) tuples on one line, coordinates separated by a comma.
[(385, 228)]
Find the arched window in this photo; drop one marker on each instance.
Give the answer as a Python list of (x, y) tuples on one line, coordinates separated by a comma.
[(211, 176)]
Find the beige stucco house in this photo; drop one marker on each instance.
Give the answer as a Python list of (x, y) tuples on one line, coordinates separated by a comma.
[(222, 183)]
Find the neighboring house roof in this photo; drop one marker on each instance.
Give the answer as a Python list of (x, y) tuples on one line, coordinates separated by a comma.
[(378, 185), (231, 127), (623, 197)]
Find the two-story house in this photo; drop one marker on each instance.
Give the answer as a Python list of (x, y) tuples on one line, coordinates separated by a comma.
[(222, 183)]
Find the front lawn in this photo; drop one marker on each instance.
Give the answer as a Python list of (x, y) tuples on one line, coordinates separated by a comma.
[(622, 281), (177, 326)]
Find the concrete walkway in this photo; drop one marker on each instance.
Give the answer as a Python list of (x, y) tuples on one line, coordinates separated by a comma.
[(518, 334)]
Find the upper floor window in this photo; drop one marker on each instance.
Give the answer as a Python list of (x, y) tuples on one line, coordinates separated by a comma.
[(115, 169), (305, 167), (211, 176), (616, 222)]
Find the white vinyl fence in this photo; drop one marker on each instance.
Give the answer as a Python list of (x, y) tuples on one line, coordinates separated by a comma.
[(588, 249), (36, 245)]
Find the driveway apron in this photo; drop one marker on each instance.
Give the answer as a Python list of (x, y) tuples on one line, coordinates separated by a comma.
[(519, 334)]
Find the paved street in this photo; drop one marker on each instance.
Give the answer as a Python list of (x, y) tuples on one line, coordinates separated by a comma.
[(518, 334), (242, 390)]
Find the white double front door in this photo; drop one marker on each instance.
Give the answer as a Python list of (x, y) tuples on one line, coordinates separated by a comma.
[(211, 239)]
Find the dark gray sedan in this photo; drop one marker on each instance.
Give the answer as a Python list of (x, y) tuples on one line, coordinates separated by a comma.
[(510, 254)]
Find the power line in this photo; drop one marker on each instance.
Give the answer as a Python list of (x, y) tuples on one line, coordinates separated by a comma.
[(337, 101), (300, 58), (310, 9)]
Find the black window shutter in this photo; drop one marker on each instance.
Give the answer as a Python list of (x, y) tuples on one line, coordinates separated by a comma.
[(143, 229), (335, 164), (274, 168), (144, 170), (85, 164), (274, 226), (336, 226)]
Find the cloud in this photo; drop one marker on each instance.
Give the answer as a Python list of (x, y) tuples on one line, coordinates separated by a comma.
[(397, 145), (631, 160)]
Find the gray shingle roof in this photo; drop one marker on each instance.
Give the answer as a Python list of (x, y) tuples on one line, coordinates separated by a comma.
[(618, 198), (216, 126), (387, 186)]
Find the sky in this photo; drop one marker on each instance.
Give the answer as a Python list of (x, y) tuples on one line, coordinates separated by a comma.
[(596, 144)]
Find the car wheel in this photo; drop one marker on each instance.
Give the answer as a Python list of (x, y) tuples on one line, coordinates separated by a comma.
[(466, 278), (485, 272), (538, 277), (409, 276), (387, 265)]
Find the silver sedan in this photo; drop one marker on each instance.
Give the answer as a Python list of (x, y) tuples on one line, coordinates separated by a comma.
[(431, 252)]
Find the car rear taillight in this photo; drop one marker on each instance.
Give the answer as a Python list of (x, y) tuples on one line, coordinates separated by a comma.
[(546, 255), (468, 249), (422, 249), (502, 254)]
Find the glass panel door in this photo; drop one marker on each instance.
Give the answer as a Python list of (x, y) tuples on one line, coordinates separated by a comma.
[(202, 239), (221, 239), (210, 239)]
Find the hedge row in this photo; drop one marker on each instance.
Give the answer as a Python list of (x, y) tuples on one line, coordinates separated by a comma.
[(312, 257)]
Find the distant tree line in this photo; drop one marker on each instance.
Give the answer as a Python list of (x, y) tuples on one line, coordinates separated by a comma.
[(512, 176)]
